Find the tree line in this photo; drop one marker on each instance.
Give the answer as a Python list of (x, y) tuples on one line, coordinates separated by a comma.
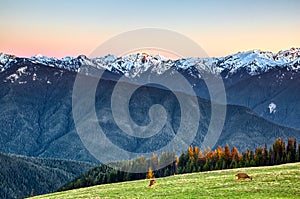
[(192, 160), (195, 160)]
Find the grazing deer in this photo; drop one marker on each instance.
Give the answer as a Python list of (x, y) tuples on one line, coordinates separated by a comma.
[(152, 183), (242, 175)]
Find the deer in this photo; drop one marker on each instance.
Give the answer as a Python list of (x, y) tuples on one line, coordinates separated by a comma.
[(152, 183), (243, 176)]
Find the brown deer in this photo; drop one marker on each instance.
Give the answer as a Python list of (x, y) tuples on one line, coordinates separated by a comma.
[(242, 175), (152, 183)]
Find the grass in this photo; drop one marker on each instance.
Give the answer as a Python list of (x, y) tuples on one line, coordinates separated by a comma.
[(281, 181)]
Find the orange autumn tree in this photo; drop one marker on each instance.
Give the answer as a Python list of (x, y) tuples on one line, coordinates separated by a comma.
[(219, 152), (150, 174), (191, 153), (227, 153), (234, 154)]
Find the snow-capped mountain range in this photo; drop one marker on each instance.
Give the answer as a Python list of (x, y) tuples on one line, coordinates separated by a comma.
[(36, 100), (265, 82), (254, 62)]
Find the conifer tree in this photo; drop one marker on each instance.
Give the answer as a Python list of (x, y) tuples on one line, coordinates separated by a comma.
[(258, 157), (298, 154), (202, 160), (233, 164), (227, 156), (271, 156), (265, 155), (207, 166), (235, 154), (291, 150)]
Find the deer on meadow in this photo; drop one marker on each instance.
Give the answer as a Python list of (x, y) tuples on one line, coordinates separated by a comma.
[(243, 176), (152, 183)]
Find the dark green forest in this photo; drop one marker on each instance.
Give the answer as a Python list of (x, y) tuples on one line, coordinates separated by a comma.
[(22, 176), (192, 160)]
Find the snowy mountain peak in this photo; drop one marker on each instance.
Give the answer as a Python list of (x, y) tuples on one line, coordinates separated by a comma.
[(257, 61), (5, 59), (39, 56), (253, 62)]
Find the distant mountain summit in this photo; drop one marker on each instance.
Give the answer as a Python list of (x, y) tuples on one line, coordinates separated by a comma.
[(254, 62)]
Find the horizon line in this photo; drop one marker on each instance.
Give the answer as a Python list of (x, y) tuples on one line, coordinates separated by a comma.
[(148, 54)]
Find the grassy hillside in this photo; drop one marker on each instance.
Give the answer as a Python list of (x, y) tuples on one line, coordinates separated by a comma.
[(281, 181)]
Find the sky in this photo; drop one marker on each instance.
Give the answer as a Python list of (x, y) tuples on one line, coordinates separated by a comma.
[(58, 28)]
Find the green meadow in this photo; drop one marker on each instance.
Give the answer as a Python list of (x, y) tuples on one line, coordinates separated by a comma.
[(282, 181)]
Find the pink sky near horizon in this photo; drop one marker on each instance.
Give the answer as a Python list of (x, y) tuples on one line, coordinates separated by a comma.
[(214, 45), (59, 29)]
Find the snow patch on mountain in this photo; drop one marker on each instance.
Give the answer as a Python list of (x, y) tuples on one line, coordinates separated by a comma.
[(272, 107), (12, 78), (34, 77), (16, 76)]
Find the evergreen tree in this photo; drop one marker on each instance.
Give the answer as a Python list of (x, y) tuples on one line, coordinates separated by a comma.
[(258, 157), (207, 166), (202, 160), (189, 167), (214, 158), (249, 160), (233, 164), (252, 163), (271, 156), (298, 154), (242, 160), (283, 149), (279, 150), (219, 164), (167, 172), (277, 160), (183, 159), (227, 156), (291, 150), (224, 164), (265, 155)]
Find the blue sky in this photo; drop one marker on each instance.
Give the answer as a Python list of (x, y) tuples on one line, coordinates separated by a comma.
[(60, 28)]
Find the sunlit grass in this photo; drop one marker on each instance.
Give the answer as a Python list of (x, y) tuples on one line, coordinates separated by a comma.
[(281, 181)]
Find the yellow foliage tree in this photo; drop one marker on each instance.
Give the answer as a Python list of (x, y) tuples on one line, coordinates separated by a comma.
[(191, 153), (150, 174), (219, 152), (196, 151), (235, 154), (176, 160), (227, 152)]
